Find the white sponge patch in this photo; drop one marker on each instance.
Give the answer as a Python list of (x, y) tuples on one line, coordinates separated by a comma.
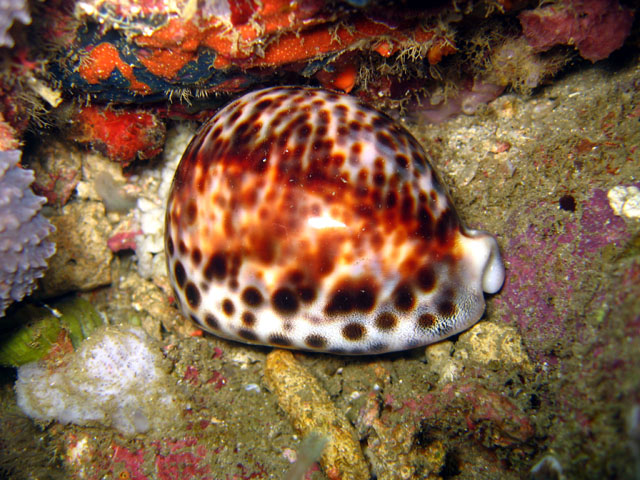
[(116, 378)]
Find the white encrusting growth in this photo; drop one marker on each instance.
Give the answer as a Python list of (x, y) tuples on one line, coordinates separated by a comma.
[(116, 378)]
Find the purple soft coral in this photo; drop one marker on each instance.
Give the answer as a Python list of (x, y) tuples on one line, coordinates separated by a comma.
[(24, 249)]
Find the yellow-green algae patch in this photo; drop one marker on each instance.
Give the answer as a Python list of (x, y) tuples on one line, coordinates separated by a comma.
[(36, 330)]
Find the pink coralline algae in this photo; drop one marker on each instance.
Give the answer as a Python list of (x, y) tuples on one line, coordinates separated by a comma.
[(128, 461), (543, 266), (185, 459), (123, 240), (192, 376), (480, 408), (172, 459), (596, 27), (24, 248)]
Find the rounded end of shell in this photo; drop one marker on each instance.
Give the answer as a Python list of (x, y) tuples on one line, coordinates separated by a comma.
[(487, 255), (493, 274)]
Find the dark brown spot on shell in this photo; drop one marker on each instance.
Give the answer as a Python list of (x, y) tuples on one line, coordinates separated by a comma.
[(355, 127), (323, 117), (426, 278), (306, 293), (403, 297), (321, 131), (353, 331), (379, 347), (358, 296), (425, 223), (212, 322), (216, 267), (233, 117), (406, 206), (191, 212), (445, 225), (247, 335), (340, 302), (193, 295), (337, 160), (170, 247), (402, 161), (228, 307), (284, 300), (385, 139), (262, 104), (386, 321), (241, 135), (295, 276), (180, 274), (392, 199), (364, 298), (427, 321), (280, 340), (248, 319), (252, 296), (304, 132), (446, 308), (196, 256), (379, 122), (418, 159), (279, 118), (315, 341), (342, 351)]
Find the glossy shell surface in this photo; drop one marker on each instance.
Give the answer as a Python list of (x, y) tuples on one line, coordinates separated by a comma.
[(304, 219)]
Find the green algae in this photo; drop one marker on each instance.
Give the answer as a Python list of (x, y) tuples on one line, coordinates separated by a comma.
[(35, 330)]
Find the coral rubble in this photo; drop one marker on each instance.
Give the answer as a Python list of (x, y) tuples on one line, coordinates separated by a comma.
[(312, 412)]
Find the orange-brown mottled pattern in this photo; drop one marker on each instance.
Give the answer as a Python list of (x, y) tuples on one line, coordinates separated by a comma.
[(304, 219)]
